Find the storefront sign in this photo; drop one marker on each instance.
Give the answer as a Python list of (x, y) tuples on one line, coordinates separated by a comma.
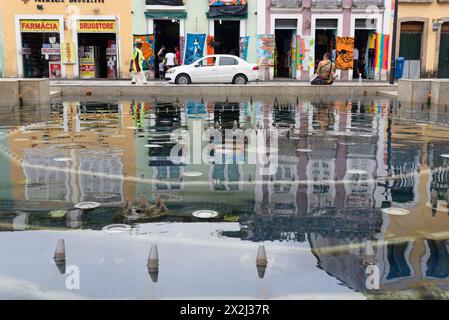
[(39, 25), (104, 26), (50, 51), (67, 53), (87, 68)]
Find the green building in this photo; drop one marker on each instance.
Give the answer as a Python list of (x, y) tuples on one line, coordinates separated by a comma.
[(171, 20)]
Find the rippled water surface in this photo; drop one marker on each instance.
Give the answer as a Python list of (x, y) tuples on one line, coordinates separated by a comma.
[(339, 190)]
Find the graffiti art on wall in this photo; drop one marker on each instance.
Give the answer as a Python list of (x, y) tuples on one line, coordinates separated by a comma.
[(194, 47), (265, 49), (243, 44), (345, 53), (147, 50)]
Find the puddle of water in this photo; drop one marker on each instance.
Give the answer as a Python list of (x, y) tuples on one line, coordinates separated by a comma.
[(336, 177)]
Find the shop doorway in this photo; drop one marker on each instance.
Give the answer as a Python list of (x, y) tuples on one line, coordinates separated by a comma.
[(410, 48), (325, 38), (283, 63), (227, 35), (166, 33), (40, 54), (443, 60), (364, 43), (97, 55)]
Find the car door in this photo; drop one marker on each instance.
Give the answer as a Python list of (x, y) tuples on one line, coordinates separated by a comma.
[(227, 69), (204, 70)]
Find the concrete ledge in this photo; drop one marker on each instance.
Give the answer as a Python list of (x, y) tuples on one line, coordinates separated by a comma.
[(440, 92), (418, 91), (13, 92), (34, 90), (125, 89), (414, 90), (9, 92)]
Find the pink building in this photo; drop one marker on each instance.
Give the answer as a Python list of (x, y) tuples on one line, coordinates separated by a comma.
[(320, 22)]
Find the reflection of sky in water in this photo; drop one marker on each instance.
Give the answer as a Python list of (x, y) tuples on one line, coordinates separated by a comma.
[(338, 165)]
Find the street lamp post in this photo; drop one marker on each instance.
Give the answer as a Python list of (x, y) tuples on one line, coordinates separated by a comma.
[(393, 49)]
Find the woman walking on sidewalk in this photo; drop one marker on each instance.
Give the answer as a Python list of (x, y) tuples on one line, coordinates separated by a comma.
[(136, 65)]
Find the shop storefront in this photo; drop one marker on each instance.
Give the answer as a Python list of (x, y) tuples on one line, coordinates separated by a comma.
[(39, 46), (227, 24), (166, 21), (97, 47), (67, 39)]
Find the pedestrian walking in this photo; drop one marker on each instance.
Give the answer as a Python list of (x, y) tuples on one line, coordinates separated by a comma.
[(136, 64)]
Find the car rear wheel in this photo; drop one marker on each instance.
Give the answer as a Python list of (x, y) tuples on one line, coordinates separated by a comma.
[(182, 79), (240, 79)]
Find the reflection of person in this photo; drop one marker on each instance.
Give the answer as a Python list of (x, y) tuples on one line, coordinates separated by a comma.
[(325, 71), (136, 64)]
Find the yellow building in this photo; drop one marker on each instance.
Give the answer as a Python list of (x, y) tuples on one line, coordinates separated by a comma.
[(423, 37), (66, 38)]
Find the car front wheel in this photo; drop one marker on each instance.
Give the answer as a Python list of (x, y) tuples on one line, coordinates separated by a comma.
[(240, 79), (182, 79)]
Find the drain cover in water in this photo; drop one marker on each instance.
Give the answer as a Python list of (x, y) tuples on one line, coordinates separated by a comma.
[(117, 228), (152, 146), (357, 171), (396, 211), (205, 214), (192, 174), (87, 205)]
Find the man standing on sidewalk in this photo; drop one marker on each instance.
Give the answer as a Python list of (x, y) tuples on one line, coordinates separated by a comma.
[(136, 65)]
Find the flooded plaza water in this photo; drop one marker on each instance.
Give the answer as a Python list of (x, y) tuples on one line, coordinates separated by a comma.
[(349, 199)]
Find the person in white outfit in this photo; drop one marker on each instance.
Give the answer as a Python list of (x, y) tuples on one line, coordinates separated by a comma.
[(170, 58)]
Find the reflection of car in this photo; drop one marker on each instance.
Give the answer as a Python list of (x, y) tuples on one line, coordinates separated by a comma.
[(219, 68)]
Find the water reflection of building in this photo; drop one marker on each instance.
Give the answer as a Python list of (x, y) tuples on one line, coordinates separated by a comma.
[(79, 155), (183, 128)]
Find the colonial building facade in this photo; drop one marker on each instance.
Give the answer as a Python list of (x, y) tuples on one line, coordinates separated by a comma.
[(423, 29), (321, 22), (66, 39)]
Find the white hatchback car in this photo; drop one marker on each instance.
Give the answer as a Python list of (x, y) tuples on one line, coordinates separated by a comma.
[(217, 68)]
